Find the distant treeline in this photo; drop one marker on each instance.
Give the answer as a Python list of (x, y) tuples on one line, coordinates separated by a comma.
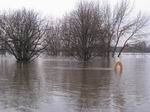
[(90, 30), (134, 50)]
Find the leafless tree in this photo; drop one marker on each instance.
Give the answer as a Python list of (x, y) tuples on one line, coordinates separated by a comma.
[(23, 32), (53, 39), (65, 37), (2, 47), (88, 31), (94, 29), (106, 29), (124, 25), (82, 31), (136, 31)]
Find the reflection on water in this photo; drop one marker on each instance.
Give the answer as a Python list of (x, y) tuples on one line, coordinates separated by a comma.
[(64, 85)]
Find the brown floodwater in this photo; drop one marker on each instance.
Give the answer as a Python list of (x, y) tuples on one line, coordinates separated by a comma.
[(64, 85)]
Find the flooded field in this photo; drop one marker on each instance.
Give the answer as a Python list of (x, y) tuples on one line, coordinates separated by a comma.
[(65, 85)]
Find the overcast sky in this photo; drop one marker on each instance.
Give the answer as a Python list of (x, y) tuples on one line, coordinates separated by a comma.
[(57, 8)]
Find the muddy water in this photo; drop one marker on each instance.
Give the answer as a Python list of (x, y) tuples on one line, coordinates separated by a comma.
[(65, 85)]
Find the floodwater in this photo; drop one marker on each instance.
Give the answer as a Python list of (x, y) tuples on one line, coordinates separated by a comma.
[(65, 85)]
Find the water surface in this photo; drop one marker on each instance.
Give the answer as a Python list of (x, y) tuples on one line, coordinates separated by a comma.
[(65, 85)]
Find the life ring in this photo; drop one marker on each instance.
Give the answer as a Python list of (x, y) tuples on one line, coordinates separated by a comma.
[(118, 67)]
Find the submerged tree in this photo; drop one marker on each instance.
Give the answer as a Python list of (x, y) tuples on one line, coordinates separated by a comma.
[(22, 31), (90, 30), (136, 31), (53, 39), (65, 37), (83, 31), (93, 30), (126, 27)]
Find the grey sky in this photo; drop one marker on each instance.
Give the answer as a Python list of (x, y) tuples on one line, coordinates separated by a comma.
[(57, 8)]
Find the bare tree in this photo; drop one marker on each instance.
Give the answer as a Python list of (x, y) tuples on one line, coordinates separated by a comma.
[(124, 26), (136, 31), (83, 31), (22, 31), (67, 49), (94, 30), (53, 39), (2, 47), (106, 29)]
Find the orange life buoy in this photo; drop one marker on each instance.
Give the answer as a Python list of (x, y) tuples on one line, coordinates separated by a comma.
[(118, 67)]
